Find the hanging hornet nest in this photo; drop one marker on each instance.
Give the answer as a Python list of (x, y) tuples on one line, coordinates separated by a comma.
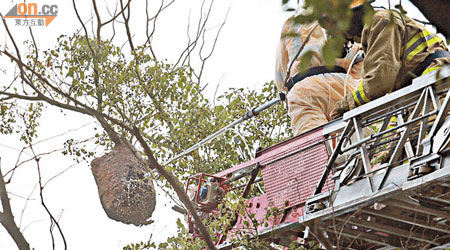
[(125, 194)]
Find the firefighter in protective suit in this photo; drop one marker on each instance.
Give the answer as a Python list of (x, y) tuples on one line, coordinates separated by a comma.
[(396, 49), (311, 95)]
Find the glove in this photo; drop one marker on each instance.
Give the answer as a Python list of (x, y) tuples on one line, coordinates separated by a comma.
[(354, 50), (341, 107), (345, 61)]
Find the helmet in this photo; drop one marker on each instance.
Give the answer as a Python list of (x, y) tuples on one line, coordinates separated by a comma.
[(356, 3), (357, 21)]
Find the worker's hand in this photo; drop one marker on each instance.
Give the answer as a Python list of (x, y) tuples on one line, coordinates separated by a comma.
[(355, 49), (344, 62), (341, 107)]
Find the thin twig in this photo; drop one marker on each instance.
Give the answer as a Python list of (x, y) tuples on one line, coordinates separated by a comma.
[(203, 59), (288, 73), (41, 189), (126, 18)]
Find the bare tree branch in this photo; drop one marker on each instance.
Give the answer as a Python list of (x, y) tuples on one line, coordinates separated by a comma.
[(99, 21), (20, 163), (117, 15), (126, 18), (203, 59), (154, 19), (41, 189)]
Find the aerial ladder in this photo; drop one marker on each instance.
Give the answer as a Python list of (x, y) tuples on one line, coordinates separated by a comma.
[(332, 192)]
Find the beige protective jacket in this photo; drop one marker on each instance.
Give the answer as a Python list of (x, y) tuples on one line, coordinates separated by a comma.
[(311, 101), (385, 44)]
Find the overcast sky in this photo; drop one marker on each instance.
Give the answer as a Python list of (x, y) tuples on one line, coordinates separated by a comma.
[(244, 57)]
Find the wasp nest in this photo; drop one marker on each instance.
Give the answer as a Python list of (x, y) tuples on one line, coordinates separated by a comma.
[(126, 195)]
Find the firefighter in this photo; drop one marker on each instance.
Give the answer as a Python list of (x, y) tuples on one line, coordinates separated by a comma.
[(396, 49), (311, 95)]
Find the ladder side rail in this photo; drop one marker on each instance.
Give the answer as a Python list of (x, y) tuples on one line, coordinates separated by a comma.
[(379, 134), (394, 108)]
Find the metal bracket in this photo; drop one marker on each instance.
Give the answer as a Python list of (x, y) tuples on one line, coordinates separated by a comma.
[(437, 124), (363, 149), (442, 137), (318, 202), (254, 173), (424, 165)]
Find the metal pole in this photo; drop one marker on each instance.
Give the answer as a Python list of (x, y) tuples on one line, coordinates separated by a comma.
[(250, 114), (204, 141)]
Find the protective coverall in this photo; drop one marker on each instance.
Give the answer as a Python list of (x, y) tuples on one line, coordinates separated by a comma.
[(311, 100), (392, 49)]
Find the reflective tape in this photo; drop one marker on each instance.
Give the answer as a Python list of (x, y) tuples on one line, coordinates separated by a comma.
[(417, 37), (359, 96), (430, 69), (419, 42), (355, 97), (361, 92)]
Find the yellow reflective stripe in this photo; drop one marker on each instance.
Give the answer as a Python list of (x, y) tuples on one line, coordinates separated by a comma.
[(421, 47), (359, 96), (417, 37), (355, 97), (418, 42), (361, 92), (430, 69)]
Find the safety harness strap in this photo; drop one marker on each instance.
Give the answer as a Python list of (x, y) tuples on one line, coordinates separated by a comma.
[(311, 72), (421, 68)]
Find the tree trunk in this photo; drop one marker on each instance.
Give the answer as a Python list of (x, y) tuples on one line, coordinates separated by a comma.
[(7, 218), (436, 11)]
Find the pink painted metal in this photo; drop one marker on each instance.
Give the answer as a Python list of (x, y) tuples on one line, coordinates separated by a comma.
[(291, 180), (291, 171), (273, 152)]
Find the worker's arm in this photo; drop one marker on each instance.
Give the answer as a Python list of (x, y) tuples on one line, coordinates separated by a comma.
[(382, 43)]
